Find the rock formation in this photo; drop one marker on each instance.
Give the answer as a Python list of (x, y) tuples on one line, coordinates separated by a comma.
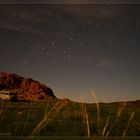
[(27, 88)]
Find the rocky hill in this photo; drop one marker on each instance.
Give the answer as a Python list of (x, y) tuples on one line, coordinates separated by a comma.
[(27, 88)]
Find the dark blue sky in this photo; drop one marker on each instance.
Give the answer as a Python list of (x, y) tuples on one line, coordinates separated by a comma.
[(74, 48)]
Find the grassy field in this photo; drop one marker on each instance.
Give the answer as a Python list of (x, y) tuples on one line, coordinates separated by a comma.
[(67, 118)]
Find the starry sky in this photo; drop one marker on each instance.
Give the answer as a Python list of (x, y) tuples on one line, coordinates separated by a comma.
[(77, 49)]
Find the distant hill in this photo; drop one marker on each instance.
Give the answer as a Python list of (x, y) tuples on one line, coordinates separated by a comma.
[(27, 88)]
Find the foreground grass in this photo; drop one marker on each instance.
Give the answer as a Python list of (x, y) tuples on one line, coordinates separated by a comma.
[(66, 118)]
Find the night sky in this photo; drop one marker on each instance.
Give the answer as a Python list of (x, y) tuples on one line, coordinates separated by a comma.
[(76, 49)]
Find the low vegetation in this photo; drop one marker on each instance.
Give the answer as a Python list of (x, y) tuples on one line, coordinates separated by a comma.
[(57, 117)]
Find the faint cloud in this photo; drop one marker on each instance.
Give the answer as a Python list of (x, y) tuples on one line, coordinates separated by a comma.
[(106, 64), (24, 61)]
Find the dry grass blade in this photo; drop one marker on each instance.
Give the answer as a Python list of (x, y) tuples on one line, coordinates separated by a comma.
[(117, 117), (48, 117), (97, 106), (120, 111), (104, 129), (85, 118), (131, 117), (88, 129), (26, 123)]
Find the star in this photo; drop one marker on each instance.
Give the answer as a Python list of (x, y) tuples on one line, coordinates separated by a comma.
[(71, 38), (53, 43), (43, 48), (64, 52)]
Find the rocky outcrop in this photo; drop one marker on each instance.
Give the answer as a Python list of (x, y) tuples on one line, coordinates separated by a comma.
[(27, 88)]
